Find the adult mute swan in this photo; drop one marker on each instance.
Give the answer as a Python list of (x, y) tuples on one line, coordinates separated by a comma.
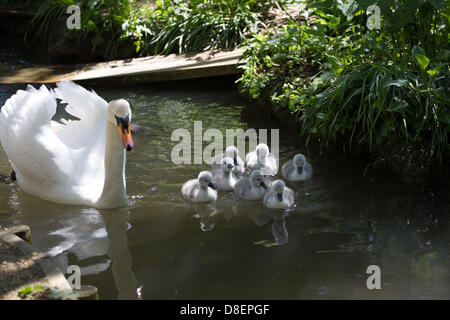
[(261, 159), (279, 196), (251, 188), (297, 169), (77, 162), (201, 189)]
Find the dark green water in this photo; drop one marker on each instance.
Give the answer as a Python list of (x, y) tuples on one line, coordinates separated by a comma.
[(342, 222)]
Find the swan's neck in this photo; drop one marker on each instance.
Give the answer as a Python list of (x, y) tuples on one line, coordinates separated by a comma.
[(114, 188)]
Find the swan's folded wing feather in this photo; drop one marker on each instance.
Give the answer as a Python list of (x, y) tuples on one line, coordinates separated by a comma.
[(88, 133), (81, 103), (86, 136)]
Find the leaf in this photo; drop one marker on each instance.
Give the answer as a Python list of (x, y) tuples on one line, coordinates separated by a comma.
[(322, 116), (422, 61), (399, 106), (416, 50), (348, 7), (397, 83), (260, 242), (433, 72)]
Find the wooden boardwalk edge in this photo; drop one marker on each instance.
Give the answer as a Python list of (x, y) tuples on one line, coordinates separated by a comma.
[(152, 69), (53, 274)]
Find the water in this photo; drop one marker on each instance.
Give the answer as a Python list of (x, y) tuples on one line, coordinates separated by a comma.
[(166, 248)]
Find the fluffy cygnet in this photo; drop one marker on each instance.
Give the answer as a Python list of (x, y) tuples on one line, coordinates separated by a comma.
[(252, 187), (261, 159), (201, 189), (297, 169), (279, 196)]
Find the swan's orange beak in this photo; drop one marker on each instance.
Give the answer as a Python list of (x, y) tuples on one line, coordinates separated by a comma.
[(123, 124), (125, 135)]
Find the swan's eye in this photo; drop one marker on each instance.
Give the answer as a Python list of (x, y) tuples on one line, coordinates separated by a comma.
[(124, 122)]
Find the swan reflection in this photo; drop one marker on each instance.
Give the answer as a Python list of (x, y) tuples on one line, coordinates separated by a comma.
[(79, 235), (278, 221)]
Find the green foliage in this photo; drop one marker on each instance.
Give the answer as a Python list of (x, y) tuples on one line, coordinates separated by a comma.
[(23, 293), (377, 103), (48, 13), (202, 24), (171, 26), (45, 292), (345, 82), (101, 21)]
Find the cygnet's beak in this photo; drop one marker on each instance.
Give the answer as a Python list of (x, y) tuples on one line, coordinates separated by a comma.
[(300, 169), (262, 160), (280, 196), (262, 184), (125, 133), (229, 166), (212, 186)]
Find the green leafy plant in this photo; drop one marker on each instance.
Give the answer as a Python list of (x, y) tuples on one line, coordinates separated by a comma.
[(45, 292), (202, 25), (344, 82)]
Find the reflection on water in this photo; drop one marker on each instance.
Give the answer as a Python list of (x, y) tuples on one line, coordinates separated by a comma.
[(86, 233), (163, 247)]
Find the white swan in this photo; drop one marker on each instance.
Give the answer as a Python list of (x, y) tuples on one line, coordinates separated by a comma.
[(262, 159), (251, 188), (279, 196), (297, 169), (201, 189), (77, 162), (224, 178), (232, 152)]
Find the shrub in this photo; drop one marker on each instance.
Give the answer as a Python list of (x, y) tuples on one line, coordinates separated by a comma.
[(342, 81)]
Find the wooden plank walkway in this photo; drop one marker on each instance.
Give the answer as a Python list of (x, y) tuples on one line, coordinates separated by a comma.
[(22, 265), (152, 69)]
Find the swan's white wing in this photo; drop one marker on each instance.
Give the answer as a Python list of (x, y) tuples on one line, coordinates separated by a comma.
[(86, 136), (33, 149), (58, 162), (89, 108)]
